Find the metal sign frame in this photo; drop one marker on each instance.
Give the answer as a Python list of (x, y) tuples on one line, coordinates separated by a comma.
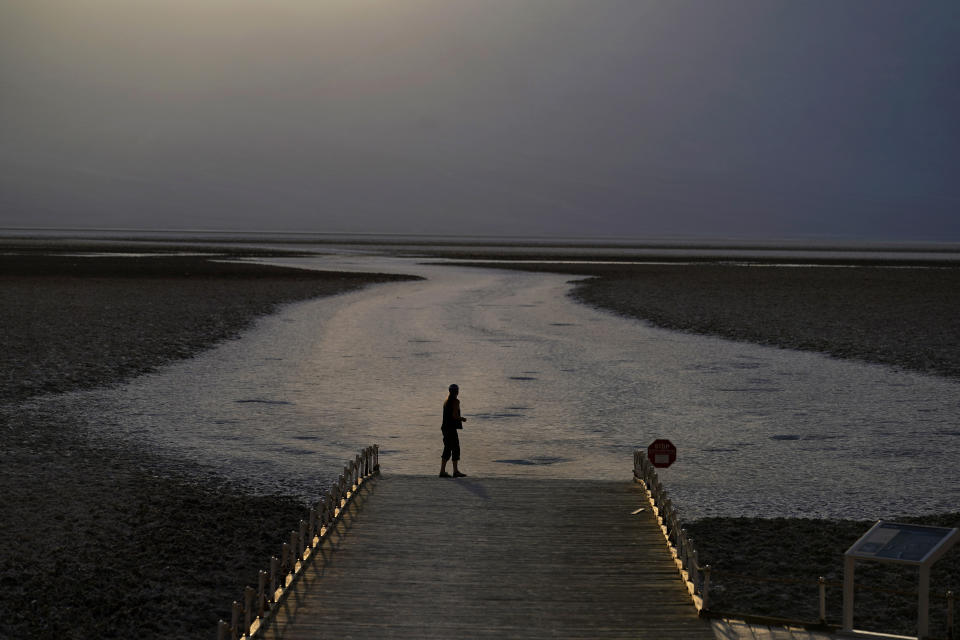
[(895, 543)]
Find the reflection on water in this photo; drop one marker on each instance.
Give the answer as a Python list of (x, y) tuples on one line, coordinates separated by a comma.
[(550, 388)]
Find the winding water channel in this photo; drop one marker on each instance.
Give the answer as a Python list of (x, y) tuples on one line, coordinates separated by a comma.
[(550, 388)]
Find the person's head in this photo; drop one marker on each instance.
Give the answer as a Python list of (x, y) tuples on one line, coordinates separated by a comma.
[(454, 390)]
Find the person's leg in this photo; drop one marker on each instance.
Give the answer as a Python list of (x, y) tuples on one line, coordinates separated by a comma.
[(447, 451), (455, 456)]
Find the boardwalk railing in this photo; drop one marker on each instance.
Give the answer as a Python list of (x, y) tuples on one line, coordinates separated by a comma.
[(696, 577), (259, 604), (822, 584)]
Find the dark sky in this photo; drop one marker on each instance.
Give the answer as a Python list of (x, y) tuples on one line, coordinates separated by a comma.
[(717, 118)]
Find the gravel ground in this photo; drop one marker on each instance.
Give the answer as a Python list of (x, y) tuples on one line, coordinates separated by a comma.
[(99, 539), (904, 317)]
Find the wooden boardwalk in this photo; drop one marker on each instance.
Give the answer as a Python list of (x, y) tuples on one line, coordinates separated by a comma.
[(424, 557)]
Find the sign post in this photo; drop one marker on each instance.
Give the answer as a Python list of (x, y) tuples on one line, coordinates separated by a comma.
[(661, 453), (908, 544)]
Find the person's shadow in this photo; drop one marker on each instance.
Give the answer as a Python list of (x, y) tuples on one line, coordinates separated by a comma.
[(473, 487)]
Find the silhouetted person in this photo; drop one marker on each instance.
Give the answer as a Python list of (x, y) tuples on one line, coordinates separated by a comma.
[(452, 420)]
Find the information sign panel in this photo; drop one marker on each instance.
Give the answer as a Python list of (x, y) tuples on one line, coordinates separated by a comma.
[(904, 543), (911, 544)]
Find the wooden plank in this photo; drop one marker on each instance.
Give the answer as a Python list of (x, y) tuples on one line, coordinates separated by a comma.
[(740, 630), (424, 557)]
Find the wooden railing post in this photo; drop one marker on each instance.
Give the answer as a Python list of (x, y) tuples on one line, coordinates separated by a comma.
[(294, 554), (694, 568), (235, 621), (284, 563), (223, 630), (950, 634), (667, 514), (274, 575), (822, 586), (705, 594), (684, 552), (248, 595), (261, 593), (302, 543)]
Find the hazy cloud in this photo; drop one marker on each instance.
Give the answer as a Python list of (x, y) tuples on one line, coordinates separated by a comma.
[(747, 117)]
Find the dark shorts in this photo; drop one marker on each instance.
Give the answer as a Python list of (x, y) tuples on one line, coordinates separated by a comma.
[(451, 445)]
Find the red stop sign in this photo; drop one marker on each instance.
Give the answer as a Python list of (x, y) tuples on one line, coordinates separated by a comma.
[(661, 453)]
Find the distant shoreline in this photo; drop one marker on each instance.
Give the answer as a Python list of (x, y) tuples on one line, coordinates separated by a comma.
[(479, 247)]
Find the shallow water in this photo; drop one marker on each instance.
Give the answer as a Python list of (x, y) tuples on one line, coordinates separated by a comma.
[(550, 388)]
